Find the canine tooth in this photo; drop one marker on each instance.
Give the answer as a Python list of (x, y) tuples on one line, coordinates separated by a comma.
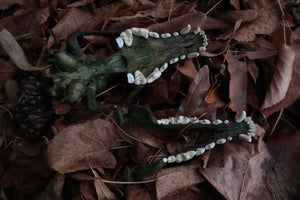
[(200, 151), (127, 37), (202, 48), (165, 160), (217, 122), (153, 34), (221, 141), (197, 31), (163, 67), (179, 158), (130, 78), (153, 76), (171, 159), (120, 42), (241, 118), (139, 78), (226, 121), (245, 137), (193, 55), (140, 32), (189, 155), (210, 146), (175, 34), (165, 121), (165, 35), (174, 60), (182, 57), (251, 134), (229, 138), (186, 30)]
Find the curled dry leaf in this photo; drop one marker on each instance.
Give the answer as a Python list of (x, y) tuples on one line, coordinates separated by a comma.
[(281, 77), (72, 21), (78, 146), (171, 180), (15, 52), (197, 91)]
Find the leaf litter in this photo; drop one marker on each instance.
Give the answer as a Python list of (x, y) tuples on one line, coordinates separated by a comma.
[(251, 63)]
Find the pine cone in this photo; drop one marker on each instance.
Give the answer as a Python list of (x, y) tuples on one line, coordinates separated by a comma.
[(34, 115)]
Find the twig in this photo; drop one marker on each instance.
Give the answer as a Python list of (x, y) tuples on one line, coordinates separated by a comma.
[(210, 10)]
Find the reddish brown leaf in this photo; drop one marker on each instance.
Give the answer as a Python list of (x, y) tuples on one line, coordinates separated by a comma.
[(212, 96), (236, 15), (188, 69), (237, 85), (281, 77), (15, 52), (78, 146), (253, 70), (197, 91), (171, 180), (73, 20), (134, 192), (265, 23)]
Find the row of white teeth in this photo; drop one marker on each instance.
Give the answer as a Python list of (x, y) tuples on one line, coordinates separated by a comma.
[(199, 151), (126, 37)]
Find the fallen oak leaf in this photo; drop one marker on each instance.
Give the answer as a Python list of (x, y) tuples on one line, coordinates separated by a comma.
[(15, 52), (78, 146)]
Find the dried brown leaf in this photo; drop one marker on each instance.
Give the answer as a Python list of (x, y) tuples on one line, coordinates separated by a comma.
[(134, 192), (293, 92), (252, 55), (171, 180), (281, 77), (235, 4), (213, 23), (237, 85), (78, 146), (197, 91), (54, 188), (4, 4), (188, 69), (236, 171), (253, 70), (15, 52), (102, 190), (7, 71), (72, 21), (233, 16), (265, 23)]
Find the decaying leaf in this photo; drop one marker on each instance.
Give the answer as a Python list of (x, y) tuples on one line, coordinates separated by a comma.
[(281, 77), (188, 69), (196, 92), (78, 146), (15, 52)]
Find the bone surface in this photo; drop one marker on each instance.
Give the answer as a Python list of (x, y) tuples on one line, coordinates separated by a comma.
[(127, 37), (119, 42), (153, 76), (139, 78), (130, 78), (140, 32), (186, 30)]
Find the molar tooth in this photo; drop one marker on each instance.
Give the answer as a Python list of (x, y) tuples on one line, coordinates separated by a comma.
[(203, 48), (189, 155), (186, 120), (229, 138), (175, 34), (217, 122), (245, 137), (165, 35), (165, 160), (173, 120), (193, 55), (180, 119), (127, 37), (163, 67), (179, 158), (221, 141), (202, 33), (248, 119), (174, 60), (197, 31), (153, 34), (195, 120), (171, 159), (130, 78), (182, 57), (158, 121), (210, 146), (241, 118), (226, 121), (165, 121), (120, 42), (186, 30), (140, 32), (200, 151), (251, 134), (153, 76), (139, 78)]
